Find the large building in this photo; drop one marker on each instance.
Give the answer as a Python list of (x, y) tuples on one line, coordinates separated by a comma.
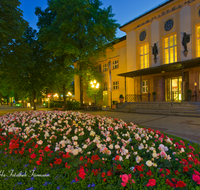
[(160, 53)]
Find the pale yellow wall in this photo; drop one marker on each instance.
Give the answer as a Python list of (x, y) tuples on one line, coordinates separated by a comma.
[(185, 26), (186, 18)]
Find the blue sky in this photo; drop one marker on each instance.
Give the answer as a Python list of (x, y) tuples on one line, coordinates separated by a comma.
[(124, 10)]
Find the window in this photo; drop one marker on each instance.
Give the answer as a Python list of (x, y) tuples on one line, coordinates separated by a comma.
[(115, 64), (115, 85), (105, 67), (144, 86), (144, 56), (100, 68), (170, 50), (198, 41), (105, 87)]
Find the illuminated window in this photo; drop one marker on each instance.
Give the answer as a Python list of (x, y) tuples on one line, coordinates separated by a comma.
[(105, 87), (115, 64), (144, 56), (198, 41), (105, 67), (170, 50), (144, 86), (115, 85)]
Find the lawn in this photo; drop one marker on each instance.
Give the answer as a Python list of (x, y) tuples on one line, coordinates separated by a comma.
[(73, 150)]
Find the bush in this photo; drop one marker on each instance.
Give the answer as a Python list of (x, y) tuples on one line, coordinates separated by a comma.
[(73, 105), (189, 91)]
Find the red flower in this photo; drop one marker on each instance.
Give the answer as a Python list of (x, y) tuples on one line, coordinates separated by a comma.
[(33, 156), (47, 149), (180, 184), (185, 169), (176, 172), (152, 182), (81, 158), (168, 171), (196, 161), (104, 179), (141, 175), (40, 159), (38, 162), (162, 175), (169, 183), (117, 157), (36, 146), (139, 168), (103, 174), (21, 152), (119, 167), (160, 170), (58, 161), (149, 173), (109, 173), (51, 165)]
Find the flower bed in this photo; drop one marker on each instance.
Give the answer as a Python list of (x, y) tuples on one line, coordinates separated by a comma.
[(72, 150)]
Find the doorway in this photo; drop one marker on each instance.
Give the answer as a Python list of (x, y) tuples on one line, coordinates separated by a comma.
[(174, 90)]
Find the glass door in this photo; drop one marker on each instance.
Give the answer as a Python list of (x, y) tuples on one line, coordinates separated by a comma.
[(174, 86)]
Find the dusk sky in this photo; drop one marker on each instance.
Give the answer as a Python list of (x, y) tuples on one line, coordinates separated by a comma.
[(124, 10)]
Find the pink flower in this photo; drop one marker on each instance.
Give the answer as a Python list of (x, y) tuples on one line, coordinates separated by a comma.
[(123, 184), (124, 178), (196, 172), (195, 177), (129, 176), (133, 181)]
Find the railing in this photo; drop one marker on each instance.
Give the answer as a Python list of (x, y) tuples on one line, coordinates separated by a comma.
[(138, 97)]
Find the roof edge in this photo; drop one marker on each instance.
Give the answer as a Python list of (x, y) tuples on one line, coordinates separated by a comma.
[(146, 13)]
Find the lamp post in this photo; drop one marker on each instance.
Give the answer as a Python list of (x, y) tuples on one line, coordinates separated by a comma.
[(95, 86)]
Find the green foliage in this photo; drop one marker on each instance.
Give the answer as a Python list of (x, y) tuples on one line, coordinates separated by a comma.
[(121, 96), (153, 93), (79, 31), (73, 105), (189, 91)]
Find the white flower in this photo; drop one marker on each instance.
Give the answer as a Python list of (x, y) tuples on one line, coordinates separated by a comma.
[(75, 152), (138, 159), (154, 155), (111, 146), (149, 163), (84, 146), (135, 153), (92, 133), (40, 142), (117, 146), (141, 146)]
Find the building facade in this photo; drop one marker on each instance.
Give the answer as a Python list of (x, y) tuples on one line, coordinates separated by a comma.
[(160, 54)]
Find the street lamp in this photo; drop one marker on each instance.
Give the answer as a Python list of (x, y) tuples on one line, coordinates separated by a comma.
[(95, 86)]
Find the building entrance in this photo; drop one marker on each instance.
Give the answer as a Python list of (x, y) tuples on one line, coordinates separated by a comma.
[(174, 91)]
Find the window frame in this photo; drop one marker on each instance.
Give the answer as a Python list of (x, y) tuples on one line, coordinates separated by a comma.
[(116, 85), (105, 87), (169, 47), (145, 85), (105, 67), (142, 65), (196, 39), (115, 62)]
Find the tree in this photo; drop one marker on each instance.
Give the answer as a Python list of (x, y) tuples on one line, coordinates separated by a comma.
[(77, 30), (12, 27)]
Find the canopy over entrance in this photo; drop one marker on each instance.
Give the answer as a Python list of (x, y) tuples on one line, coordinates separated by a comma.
[(163, 68)]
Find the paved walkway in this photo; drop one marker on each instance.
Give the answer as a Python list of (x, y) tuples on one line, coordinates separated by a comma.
[(186, 127)]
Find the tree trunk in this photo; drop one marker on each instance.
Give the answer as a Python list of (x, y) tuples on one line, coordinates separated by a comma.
[(34, 100), (81, 91), (64, 97)]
